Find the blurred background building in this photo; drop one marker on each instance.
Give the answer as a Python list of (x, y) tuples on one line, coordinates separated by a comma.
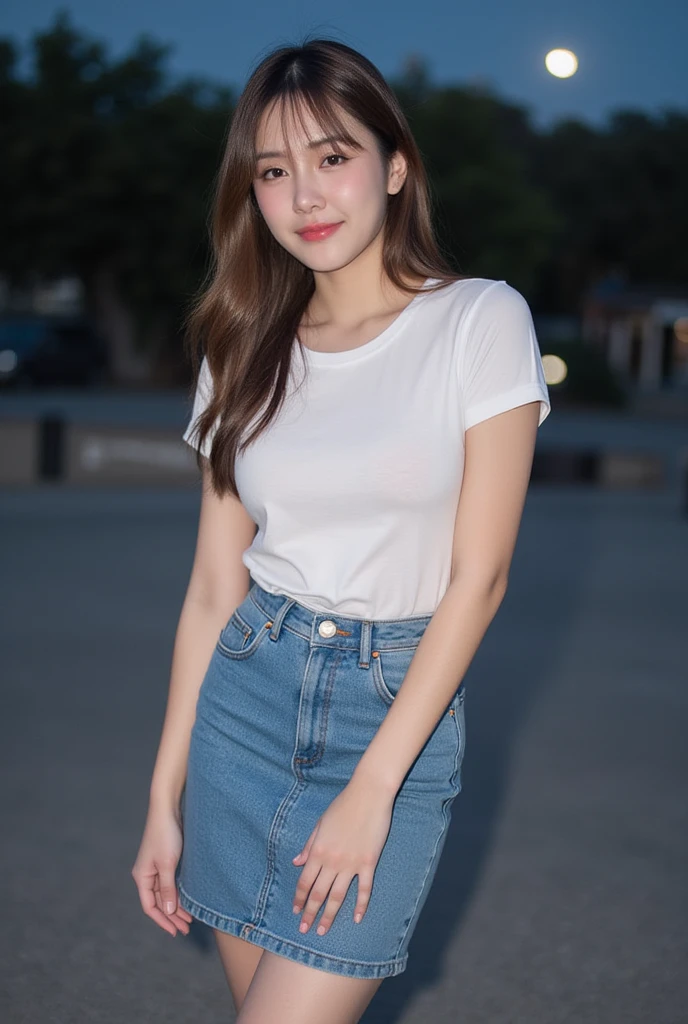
[(643, 331)]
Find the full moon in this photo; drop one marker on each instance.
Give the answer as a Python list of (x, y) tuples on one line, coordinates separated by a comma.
[(561, 63)]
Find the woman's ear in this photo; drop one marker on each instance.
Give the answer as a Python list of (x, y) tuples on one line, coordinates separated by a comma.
[(396, 174)]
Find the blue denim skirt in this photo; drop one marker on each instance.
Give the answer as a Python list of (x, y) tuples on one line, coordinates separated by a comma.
[(290, 701)]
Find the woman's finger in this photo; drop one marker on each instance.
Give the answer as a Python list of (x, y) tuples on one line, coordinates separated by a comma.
[(308, 875), (148, 904), (318, 895), (179, 922), (182, 918), (365, 887), (168, 890), (158, 897), (305, 883), (337, 896), (301, 858), (306, 879)]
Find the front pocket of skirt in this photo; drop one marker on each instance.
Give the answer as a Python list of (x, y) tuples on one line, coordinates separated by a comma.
[(240, 639), (389, 670)]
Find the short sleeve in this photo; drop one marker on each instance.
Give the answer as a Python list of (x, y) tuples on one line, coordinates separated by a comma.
[(500, 366), (204, 391)]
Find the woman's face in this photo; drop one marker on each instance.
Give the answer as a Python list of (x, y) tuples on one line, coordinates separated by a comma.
[(322, 185)]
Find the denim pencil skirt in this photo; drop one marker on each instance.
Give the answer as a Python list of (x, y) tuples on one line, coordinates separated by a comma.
[(290, 701)]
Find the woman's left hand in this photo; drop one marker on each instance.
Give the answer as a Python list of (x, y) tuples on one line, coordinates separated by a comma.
[(346, 841)]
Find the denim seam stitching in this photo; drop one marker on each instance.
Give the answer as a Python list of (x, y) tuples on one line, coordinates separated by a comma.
[(431, 860), (290, 942), (320, 746), (295, 763), (245, 625), (273, 837), (380, 685), (458, 758), (242, 652)]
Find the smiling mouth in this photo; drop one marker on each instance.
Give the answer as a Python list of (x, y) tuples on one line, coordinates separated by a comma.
[(318, 232)]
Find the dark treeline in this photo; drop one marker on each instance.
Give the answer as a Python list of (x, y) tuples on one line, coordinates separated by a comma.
[(108, 167)]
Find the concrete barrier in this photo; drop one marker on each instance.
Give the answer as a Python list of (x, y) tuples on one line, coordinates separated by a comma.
[(19, 448), (611, 470), (118, 455), (632, 470), (52, 449)]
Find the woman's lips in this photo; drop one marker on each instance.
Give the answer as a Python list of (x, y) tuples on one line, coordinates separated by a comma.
[(318, 232)]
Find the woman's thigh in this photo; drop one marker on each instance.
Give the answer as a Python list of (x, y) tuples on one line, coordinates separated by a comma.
[(292, 993), (239, 960)]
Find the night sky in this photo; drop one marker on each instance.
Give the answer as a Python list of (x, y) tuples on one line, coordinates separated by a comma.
[(632, 53)]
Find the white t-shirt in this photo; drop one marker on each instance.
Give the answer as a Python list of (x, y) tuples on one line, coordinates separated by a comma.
[(354, 486)]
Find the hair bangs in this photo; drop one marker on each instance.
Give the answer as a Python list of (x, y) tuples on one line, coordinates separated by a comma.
[(294, 104)]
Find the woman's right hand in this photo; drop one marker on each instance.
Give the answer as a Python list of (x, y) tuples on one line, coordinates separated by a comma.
[(154, 871)]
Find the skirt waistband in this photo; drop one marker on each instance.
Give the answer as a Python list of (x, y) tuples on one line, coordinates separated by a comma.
[(330, 629)]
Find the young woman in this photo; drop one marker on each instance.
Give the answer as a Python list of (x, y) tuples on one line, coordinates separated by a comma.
[(366, 421)]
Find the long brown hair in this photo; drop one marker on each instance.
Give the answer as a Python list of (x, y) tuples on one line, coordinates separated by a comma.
[(246, 320)]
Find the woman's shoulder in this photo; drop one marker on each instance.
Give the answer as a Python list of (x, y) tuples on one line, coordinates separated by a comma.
[(481, 300), (469, 289)]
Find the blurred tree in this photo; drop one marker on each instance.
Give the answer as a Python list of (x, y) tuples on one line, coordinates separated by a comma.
[(109, 176), (108, 170), (623, 197), (490, 217)]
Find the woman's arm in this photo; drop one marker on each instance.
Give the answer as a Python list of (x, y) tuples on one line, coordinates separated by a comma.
[(218, 584), (349, 836), (498, 460)]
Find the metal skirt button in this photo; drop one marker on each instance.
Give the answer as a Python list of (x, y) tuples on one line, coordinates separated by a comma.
[(327, 628)]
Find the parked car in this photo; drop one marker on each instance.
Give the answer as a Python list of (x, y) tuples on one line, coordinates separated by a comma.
[(50, 350)]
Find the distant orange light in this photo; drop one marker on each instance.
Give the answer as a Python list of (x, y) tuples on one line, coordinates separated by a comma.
[(681, 329)]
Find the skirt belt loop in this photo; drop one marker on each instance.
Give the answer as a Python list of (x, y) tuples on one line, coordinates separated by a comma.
[(279, 618), (364, 653)]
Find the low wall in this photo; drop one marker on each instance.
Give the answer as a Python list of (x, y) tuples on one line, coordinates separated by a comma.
[(53, 449)]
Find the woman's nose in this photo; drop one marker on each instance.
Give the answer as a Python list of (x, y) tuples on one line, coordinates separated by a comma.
[(307, 197)]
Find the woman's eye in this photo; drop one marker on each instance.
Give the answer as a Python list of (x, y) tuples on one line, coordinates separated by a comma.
[(273, 173), (269, 170)]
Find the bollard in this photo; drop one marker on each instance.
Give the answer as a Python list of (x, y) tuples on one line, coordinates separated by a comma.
[(51, 433), (565, 466), (683, 475)]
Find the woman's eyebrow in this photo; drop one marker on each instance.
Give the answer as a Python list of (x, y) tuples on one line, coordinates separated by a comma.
[(271, 154)]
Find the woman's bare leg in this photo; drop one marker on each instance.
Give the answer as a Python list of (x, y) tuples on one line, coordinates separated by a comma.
[(239, 960), (286, 992)]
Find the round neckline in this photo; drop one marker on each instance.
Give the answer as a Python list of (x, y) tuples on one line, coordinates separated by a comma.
[(350, 355)]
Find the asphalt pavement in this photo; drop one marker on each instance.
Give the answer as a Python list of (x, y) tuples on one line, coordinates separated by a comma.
[(561, 897)]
